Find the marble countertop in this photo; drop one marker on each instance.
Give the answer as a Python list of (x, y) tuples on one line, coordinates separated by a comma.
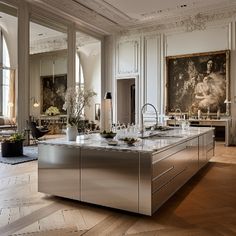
[(163, 140)]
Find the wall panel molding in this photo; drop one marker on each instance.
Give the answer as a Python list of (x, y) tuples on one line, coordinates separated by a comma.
[(152, 70), (127, 57)]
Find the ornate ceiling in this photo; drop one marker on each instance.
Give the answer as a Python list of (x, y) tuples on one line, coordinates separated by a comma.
[(110, 16)]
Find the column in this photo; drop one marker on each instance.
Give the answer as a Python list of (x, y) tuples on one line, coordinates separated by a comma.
[(22, 85)]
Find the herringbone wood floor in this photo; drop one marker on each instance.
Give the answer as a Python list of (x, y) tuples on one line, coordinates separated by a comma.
[(205, 206)]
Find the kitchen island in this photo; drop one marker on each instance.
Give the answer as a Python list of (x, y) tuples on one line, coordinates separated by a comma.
[(137, 178)]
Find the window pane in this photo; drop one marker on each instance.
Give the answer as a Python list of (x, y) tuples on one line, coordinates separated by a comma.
[(5, 78), (6, 58), (5, 92)]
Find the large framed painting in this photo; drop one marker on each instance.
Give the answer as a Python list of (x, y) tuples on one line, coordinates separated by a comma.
[(53, 89), (198, 82)]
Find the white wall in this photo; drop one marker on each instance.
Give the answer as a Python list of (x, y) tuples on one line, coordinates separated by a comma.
[(90, 58), (197, 41)]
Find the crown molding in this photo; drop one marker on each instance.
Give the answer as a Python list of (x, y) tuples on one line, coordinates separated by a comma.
[(187, 23)]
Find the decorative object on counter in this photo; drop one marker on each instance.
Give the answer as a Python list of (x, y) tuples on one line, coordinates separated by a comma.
[(97, 111), (76, 100), (71, 133), (52, 111), (130, 141), (108, 134), (112, 142), (12, 145), (108, 96)]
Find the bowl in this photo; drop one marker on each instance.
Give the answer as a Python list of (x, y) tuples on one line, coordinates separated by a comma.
[(108, 135), (112, 142), (130, 141)]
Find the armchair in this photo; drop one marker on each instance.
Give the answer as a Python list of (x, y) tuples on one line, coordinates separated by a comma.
[(37, 132)]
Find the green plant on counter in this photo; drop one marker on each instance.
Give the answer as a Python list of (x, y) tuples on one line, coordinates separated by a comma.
[(107, 132), (16, 137)]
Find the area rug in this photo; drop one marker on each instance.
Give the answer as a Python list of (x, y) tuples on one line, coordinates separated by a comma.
[(30, 153)]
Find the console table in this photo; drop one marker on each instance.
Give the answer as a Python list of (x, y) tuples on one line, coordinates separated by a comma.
[(54, 123), (217, 124)]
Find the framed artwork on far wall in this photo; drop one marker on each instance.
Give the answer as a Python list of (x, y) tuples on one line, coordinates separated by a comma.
[(53, 90), (198, 82)]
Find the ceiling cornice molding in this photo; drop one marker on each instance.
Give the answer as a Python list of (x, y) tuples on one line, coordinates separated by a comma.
[(189, 22)]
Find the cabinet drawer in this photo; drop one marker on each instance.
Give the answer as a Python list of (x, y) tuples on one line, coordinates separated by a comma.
[(166, 191), (209, 146), (169, 152), (168, 161), (167, 165)]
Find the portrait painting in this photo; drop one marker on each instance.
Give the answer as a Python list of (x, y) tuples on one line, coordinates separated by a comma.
[(53, 90), (198, 82)]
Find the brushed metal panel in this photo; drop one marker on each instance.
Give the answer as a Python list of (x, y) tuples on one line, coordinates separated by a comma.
[(202, 151), (145, 184), (59, 170), (167, 190), (172, 170), (210, 154), (110, 178), (172, 157), (169, 163)]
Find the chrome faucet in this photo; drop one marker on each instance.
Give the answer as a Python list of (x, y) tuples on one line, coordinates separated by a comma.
[(177, 110), (142, 121)]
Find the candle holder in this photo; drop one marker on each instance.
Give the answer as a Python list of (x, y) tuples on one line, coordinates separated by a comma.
[(227, 102)]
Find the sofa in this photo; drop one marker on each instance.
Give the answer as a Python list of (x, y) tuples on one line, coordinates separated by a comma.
[(7, 123)]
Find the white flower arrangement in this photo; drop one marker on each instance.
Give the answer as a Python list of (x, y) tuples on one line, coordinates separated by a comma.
[(75, 101), (52, 111)]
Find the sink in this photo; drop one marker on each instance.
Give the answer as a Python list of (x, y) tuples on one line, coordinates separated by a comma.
[(161, 136)]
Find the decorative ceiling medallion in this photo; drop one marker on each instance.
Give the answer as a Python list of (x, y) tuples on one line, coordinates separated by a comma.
[(197, 22)]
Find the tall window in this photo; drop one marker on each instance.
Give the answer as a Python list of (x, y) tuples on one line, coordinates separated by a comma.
[(4, 77)]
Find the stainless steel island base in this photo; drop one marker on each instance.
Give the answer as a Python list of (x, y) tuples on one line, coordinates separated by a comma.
[(135, 179)]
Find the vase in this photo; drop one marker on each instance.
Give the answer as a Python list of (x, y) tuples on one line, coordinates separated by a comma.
[(71, 133)]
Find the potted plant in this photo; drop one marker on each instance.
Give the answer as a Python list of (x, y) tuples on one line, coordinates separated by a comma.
[(12, 145), (75, 101)]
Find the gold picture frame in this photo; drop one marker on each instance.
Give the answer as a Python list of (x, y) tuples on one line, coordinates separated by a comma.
[(198, 81)]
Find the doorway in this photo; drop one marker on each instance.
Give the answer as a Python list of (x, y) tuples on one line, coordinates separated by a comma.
[(126, 102)]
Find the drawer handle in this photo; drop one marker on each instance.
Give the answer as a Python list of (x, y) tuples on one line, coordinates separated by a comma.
[(169, 155), (169, 169)]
